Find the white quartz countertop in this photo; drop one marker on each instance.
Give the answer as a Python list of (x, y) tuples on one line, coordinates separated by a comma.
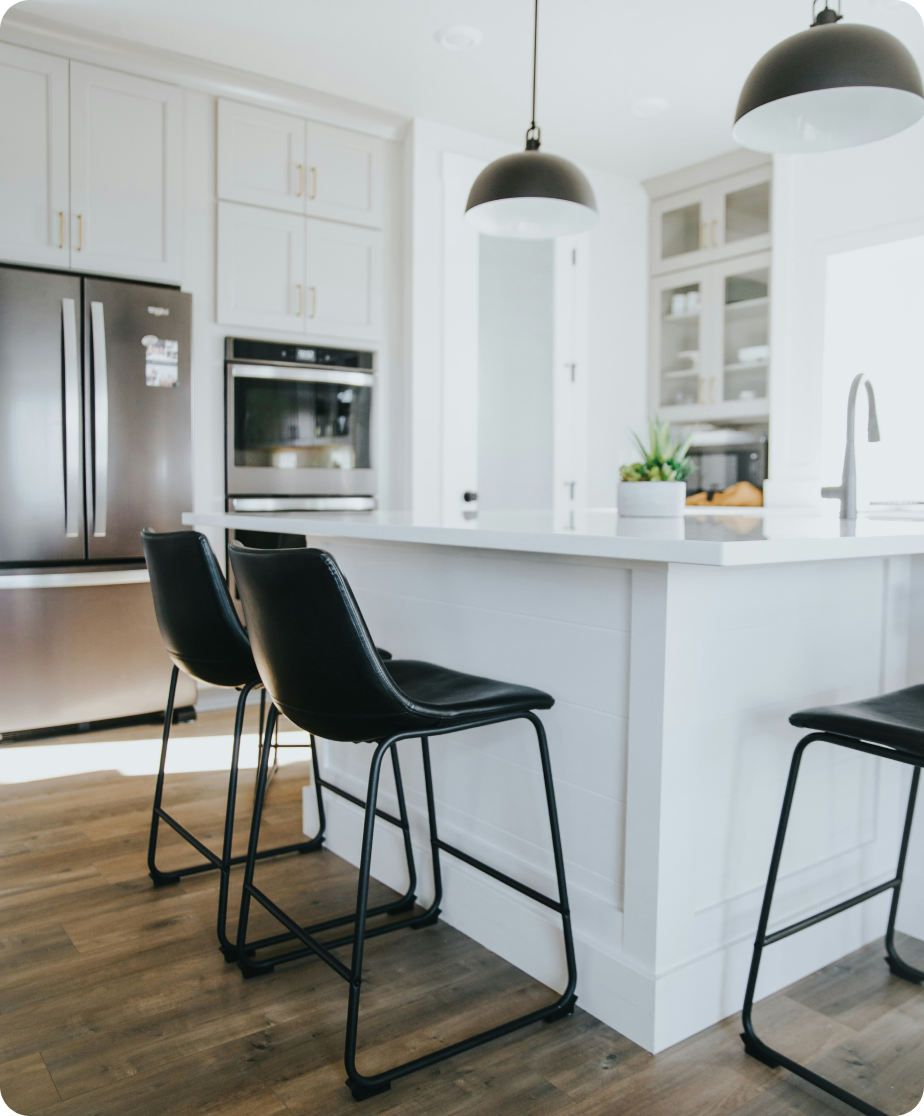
[(746, 536)]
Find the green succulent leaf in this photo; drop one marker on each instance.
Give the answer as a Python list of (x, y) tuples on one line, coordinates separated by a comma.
[(663, 459)]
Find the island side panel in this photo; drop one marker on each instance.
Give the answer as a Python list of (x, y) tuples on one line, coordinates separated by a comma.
[(745, 648), (556, 623)]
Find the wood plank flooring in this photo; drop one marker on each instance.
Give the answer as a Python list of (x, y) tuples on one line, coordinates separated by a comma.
[(115, 1002)]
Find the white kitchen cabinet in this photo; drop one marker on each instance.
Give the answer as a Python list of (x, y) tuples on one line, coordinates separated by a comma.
[(126, 174), (288, 163), (344, 281), (261, 157), (710, 355), (343, 175), (283, 271), (261, 268), (712, 222), (34, 142)]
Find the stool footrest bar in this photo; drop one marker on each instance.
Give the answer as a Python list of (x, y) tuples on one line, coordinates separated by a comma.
[(280, 915), (330, 924), (829, 913), (504, 879), (194, 841), (359, 802)]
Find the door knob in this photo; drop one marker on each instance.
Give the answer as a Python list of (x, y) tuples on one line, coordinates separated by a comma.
[(469, 497)]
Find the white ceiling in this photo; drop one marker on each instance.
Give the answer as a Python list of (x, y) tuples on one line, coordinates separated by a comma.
[(595, 58)]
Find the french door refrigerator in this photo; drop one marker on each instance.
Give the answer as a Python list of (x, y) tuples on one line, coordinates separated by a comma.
[(94, 445)]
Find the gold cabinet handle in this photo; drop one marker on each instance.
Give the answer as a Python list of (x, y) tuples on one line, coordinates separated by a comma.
[(314, 301), (298, 312), (61, 228), (79, 232), (712, 228), (301, 179), (314, 183)]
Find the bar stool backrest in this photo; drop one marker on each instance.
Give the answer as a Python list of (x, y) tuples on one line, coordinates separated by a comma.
[(198, 623), (313, 650)]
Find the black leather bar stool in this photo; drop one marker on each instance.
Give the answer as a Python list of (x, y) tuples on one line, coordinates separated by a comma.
[(891, 727), (320, 669), (205, 638)]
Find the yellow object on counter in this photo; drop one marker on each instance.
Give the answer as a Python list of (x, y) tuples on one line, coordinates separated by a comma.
[(740, 495)]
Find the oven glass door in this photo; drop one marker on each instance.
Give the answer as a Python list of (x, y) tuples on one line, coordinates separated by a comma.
[(301, 420)]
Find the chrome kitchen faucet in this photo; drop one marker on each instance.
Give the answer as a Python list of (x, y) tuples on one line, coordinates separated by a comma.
[(846, 492)]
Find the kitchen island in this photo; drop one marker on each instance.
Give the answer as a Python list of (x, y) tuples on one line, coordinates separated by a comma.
[(676, 651)]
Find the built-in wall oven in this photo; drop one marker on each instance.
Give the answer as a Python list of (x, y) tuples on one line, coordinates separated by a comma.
[(297, 432)]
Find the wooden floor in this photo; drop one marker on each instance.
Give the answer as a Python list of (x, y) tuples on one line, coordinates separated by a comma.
[(115, 1002)]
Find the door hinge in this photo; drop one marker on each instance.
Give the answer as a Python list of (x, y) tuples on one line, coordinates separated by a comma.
[(574, 257)]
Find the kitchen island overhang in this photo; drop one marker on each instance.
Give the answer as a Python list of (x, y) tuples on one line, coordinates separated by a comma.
[(675, 664)]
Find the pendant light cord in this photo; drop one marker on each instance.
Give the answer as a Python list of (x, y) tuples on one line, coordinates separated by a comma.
[(532, 132)]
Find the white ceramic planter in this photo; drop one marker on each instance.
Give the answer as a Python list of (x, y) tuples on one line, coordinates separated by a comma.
[(651, 499)]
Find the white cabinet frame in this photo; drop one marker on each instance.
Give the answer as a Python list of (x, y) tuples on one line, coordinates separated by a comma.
[(34, 225), (94, 153)]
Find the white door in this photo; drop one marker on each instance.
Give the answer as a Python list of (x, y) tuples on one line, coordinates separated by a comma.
[(261, 268), (34, 174), (344, 284), (126, 174), (343, 176), (261, 157)]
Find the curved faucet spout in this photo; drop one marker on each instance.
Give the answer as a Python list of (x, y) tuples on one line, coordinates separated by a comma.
[(846, 492)]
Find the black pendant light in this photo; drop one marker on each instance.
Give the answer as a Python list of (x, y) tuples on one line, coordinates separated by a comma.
[(531, 195), (835, 85)]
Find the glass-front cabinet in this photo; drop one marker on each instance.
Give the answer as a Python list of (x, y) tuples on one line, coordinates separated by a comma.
[(710, 341), (712, 222)]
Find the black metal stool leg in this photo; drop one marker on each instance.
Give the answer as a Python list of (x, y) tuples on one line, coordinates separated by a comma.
[(432, 915), (224, 944), (752, 1044), (362, 1086), (360, 1089), (410, 894), (899, 967), (160, 878), (755, 1046), (251, 861), (568, 996)]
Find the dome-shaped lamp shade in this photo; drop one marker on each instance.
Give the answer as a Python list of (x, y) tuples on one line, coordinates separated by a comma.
[(531, 195), (835, 85)]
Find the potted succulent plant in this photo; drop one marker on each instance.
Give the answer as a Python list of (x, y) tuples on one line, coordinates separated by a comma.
[(655, 485)]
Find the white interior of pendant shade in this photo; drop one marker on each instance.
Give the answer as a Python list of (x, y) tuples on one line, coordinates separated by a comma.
[(828, 119), (531, 218)]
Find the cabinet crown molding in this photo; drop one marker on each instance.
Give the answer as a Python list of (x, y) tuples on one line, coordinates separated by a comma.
[(55, 37), (702, 174)]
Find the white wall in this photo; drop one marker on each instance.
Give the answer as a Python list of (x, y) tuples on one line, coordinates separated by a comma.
[(515, 339), (825, 205)]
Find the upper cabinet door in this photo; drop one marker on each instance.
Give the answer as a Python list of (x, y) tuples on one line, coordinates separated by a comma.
[(344, 281), (343, 176), (126, 174), (33, 139), (261, 157), (261, 268)]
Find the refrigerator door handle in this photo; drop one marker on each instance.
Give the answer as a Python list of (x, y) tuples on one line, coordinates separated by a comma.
[(100, 420), (72, 500)]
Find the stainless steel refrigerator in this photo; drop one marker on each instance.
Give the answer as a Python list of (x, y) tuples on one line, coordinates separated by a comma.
[(94, 445)]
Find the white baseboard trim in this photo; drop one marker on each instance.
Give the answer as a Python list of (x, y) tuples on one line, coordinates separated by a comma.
[(654, 1011)]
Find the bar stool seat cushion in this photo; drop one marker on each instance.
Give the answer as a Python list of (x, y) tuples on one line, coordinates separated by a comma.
[(895, 720), (451, 695)]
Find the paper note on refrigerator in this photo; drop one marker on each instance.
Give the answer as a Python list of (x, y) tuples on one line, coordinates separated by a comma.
[(161, 361)]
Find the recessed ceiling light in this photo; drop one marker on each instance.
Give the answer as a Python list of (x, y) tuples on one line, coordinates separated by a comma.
[(649, 106), (459, 37)]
